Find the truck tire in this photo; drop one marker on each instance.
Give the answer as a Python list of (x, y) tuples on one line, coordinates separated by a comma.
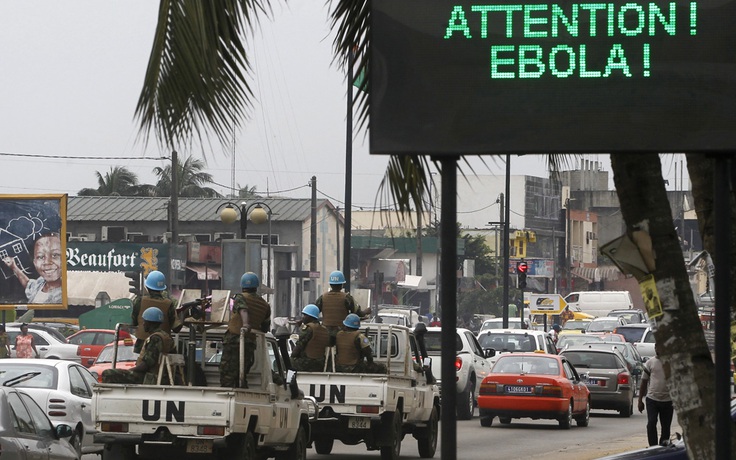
[(393, 452), (298, 449), (118, 452), (323, 446), (466, 401), (427, 444)]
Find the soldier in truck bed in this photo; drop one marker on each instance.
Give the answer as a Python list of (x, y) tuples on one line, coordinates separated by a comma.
[(354, 353), (158, 297), (335, 305), (309, 351)]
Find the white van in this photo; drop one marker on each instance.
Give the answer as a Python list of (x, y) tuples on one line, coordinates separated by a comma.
[(599, 303)]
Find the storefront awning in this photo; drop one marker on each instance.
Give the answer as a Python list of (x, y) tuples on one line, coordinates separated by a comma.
[(205, 272)]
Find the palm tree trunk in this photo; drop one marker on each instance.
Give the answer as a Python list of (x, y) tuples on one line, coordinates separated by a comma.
[(680, 340)]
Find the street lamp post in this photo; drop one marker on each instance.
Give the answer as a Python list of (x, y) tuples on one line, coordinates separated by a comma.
[(230, 212)]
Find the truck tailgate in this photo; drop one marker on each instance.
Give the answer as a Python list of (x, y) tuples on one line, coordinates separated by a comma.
[(344, 391)]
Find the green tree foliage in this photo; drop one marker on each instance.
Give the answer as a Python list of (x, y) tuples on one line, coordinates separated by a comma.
[(192, 180), (477, 248), (119, 181)]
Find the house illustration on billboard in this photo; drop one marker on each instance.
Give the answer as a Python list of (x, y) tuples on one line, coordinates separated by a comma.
[(13, 247)]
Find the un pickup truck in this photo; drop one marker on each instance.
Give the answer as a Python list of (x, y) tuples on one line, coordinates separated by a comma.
[(377, 409), (205, 420)]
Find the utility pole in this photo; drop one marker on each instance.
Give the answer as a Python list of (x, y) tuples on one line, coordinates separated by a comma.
[(348, 173), (174, 197), (505, 268), (313, 240)]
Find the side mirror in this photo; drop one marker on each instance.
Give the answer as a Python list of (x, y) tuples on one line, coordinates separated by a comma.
[(296, 393), (63, 431), (636, 371), (489, 352)]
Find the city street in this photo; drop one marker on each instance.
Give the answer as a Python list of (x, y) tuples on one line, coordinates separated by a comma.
[(526, 438)]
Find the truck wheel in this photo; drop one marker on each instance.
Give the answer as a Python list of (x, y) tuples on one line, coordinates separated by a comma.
[(249, 447), (298, 449), (466, 402), (323, 446), (393, 452), (428, 443), (504, 420), (118, 452)]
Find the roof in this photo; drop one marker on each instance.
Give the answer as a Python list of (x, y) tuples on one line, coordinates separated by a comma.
[(152, 209)]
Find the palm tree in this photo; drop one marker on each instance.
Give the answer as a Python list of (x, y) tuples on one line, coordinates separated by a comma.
[(192, 180), (247, 193), (196, 81), (119, 181)]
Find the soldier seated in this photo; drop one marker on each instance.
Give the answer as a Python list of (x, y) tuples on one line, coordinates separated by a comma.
[(354, 353), (309, 352)]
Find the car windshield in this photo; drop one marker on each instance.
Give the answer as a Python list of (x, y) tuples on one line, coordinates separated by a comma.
[(526, 365), (575, 340), (433, 342), (508, 342), (626, 351), (578, 324), (125, 353), (514, 323), (630, 317), (631, 334), (592, 359), (27, 375), (602, 326)]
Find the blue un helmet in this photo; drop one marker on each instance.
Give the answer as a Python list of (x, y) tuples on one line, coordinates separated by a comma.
[(249, 280), (337, 277), (154, 315), (352, 321), (311, 310), (155, 281)]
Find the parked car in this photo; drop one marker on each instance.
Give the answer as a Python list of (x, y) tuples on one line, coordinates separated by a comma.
[(26, 431), (90, 343), (631, 315), (607, 376), (502, 341), (605, 324), (471, 366), (534, 385), (48, 344), (125, 360), (63, 390)]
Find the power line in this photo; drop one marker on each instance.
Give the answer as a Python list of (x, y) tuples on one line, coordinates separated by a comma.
[(67, 157)]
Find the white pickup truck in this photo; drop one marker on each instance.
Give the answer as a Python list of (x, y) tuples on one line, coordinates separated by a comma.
[(377, 409), (270, 418), (471, 366)]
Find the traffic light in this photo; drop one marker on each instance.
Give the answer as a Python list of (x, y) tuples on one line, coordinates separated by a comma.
[(521, 270), (134, 283)]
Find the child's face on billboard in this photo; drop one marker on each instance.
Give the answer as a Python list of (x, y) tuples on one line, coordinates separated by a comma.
[(47, 258)]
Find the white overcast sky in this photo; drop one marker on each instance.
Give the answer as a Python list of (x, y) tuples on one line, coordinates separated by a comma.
[(71, 73)]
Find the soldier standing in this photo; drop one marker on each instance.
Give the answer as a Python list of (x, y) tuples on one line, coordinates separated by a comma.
[(250, 311), (354, 353), (158, 342), (309, 351), (336, 305), (157, 297)]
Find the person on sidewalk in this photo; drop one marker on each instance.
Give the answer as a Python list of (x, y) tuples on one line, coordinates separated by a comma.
[(658, 401)]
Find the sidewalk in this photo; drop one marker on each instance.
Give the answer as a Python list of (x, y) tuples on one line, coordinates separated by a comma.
[(583, 451)]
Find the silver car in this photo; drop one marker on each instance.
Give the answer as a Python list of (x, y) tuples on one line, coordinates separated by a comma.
[(63, 389), (49, 345), (607, 375), (26, 432)]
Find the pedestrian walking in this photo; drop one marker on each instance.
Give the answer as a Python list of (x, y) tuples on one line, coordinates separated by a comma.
[(658, 401), (4, 343), (24, 345)]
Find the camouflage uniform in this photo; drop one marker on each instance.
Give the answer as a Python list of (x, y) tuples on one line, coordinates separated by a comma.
[(309, 351), (353, 348), (259, 317), (158, 343), (335, 306), (165, 303)]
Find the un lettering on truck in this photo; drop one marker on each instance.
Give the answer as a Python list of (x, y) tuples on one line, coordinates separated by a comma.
[(599, 303)]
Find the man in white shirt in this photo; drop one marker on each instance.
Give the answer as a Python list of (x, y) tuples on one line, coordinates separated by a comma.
[(658, 401)]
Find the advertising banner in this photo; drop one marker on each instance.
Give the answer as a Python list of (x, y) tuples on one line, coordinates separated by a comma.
[(32, 245)]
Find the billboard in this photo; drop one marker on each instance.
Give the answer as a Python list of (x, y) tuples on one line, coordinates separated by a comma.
[(462, 77), (32, 248)]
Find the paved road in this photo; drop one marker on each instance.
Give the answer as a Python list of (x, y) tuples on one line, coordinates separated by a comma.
[(524, 439)]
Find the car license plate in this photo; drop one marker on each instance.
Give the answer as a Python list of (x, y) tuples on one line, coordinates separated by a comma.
[(592, 382), (199, 446), (359, 423), (518, 389)]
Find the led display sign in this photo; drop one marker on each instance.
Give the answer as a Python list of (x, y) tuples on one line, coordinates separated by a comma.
[(462, 77)]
